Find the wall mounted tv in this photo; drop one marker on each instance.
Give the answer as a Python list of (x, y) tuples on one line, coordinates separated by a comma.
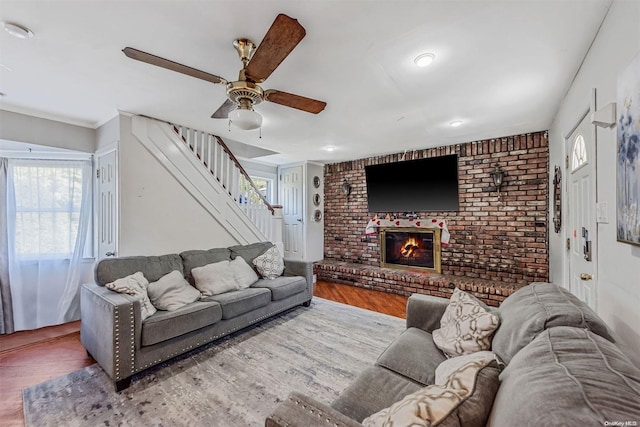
[(424, 185)]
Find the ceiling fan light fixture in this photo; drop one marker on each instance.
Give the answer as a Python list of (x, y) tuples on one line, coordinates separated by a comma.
[(424, 60), (245, 119), (17, 30)]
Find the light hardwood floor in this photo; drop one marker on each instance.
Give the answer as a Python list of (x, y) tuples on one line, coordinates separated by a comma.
[(28, 358)]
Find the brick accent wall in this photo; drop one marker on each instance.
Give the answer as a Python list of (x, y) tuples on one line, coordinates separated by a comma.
[(503, 239)]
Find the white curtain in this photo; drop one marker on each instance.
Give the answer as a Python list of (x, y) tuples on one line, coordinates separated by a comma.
[(49, 207)]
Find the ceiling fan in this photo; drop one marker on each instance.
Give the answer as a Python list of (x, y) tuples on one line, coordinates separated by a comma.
[(257, 64)]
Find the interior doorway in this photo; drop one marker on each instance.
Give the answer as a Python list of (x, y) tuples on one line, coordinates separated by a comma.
[(291, 188), (107, 204)]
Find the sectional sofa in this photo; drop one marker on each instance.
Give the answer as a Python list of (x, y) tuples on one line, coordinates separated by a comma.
[(115, 335), (561, 368)]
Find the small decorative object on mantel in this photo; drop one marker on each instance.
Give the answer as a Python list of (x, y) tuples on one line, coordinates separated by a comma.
[(376, 222), (628, 149)]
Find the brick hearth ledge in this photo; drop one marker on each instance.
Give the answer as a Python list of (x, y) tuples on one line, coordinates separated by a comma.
[(407, 282)]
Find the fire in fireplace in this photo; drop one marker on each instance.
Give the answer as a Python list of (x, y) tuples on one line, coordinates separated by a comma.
[(410, 248)]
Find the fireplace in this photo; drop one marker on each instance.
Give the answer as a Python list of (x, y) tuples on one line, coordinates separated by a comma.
[(410, 248)]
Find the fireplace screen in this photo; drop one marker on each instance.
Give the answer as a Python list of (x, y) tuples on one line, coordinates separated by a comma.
[(410, 248)]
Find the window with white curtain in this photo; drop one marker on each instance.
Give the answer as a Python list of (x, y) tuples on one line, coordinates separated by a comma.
[(48, 198), (49, 216)]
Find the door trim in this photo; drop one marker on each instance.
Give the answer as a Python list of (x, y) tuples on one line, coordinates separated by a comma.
[(566, 212)]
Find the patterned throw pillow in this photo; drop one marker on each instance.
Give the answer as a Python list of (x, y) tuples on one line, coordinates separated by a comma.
[(465, 327), (135, 285), (270, 264), (466, 398)]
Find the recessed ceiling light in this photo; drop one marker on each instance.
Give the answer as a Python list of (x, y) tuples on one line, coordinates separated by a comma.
[(330, 148), (424, 60), (17, 30), (455, 123)]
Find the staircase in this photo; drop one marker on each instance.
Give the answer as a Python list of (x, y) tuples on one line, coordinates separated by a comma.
[(208, 170)]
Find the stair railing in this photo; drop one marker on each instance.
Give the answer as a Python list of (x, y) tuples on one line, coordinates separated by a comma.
[(223, 165)]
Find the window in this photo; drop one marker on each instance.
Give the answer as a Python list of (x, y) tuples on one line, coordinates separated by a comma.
[(579, 154), (264, 185), (48, 200)]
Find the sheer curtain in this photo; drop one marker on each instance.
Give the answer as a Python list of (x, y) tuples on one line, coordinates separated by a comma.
[(49, 206), (6, 311)]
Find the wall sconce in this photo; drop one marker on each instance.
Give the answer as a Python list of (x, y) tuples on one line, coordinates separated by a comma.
[(346, 187), (498, 178)]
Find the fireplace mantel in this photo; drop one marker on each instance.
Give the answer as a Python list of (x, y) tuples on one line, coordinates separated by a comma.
[(376, 223)]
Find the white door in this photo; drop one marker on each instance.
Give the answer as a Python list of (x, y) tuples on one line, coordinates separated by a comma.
[(581, 207), (291, 182), (107, 205)]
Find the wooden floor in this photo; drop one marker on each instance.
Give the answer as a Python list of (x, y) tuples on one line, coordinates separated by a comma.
[(28, 358)]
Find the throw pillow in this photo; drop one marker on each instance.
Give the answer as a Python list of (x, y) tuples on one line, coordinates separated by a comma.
[(464, 400), (270, 264), (243, 273), (171, 292), (214, 279), (134, 285), (466, 326), (449, 366)]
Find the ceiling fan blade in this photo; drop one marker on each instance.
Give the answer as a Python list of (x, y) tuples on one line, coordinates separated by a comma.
[(224, 110), (170, 65), (284, 35), (294, 101)]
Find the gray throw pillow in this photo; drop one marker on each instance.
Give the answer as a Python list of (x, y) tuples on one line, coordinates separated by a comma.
[(199, 258), (135, 285), (171, 292), (214, 279), (243, 273)]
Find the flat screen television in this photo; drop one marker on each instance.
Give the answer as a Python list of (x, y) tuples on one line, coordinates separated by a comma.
[(423, 185)]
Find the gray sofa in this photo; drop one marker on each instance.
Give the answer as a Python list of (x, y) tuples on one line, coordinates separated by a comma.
[(112, 330), (563, 368)]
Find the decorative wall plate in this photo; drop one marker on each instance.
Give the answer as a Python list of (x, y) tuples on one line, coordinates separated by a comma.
[(316, 181), (317, 215), (316, 199)]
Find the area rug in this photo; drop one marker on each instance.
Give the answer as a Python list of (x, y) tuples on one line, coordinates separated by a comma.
[(236, 381)]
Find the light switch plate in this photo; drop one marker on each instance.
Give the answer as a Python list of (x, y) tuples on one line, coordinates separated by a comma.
[(602, 212)]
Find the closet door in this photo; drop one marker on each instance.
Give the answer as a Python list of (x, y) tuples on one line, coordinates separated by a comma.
[(107, 204)]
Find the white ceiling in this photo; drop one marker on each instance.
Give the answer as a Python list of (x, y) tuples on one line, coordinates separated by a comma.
[(501, 66)]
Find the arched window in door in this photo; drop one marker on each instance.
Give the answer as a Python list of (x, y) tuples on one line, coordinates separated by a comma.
[(579, 153)]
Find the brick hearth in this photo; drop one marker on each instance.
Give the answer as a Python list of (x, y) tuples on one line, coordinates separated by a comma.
[(409, 282), (497, 244)]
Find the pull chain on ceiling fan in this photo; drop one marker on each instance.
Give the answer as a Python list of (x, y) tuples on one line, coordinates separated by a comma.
[(257, 65)]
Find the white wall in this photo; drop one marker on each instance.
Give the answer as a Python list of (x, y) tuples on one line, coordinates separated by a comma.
[(108, 134), (157, 215), (615, 46), (34, 130)]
